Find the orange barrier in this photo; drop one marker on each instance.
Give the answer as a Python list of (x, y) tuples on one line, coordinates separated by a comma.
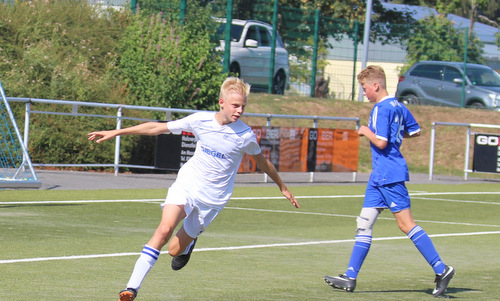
[(296, 149), (306, 149)]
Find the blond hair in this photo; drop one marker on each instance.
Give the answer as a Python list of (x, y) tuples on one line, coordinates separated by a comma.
[(234, 85), (372, 74)]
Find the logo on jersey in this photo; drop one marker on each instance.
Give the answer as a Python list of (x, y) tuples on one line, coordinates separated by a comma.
[(233, 138), (395, 103), (213, 153)]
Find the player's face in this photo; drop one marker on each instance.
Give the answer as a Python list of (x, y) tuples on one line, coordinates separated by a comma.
[(369, 90), (232, 107)]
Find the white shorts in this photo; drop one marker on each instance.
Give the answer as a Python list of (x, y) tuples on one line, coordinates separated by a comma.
[(198, 215)]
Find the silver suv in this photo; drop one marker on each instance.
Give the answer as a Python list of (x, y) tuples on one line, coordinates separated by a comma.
[(440, 83), (251, 54)]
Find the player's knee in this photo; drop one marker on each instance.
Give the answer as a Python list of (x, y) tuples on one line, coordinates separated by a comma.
[(366, 220), (163, 234), (364, 231), (165, 230)]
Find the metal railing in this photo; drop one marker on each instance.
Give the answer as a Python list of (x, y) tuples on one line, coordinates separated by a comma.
[(75, 105), (467, 170)]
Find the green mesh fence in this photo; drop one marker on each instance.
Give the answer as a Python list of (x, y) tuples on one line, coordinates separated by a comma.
[(328, 51)]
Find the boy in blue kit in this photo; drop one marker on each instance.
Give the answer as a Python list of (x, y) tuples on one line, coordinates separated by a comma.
[(389, 122)]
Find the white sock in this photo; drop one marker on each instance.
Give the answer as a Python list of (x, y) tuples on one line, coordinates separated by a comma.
[(146, 261)]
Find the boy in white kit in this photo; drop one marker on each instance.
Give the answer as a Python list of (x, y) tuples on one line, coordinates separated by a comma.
[(205, 183)]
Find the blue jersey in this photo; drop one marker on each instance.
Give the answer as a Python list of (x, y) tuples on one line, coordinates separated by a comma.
[(389, 120)]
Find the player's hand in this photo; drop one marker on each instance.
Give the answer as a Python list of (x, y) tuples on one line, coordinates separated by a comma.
[(362, 130), (101, 136), (291, 198)]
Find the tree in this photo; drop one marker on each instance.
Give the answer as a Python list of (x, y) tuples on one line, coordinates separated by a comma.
[(168, 64), (338, 20), (436, 39), (471, 9), (484, 11), (296, 24), (59, 49)]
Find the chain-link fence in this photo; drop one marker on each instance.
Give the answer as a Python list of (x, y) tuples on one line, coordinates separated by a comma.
[(326, 53)]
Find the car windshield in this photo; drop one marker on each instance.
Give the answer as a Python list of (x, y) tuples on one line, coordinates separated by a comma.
[(236, 31), (483, 77)]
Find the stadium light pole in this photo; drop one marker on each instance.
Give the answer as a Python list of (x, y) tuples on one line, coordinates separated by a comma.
[(366, 40)]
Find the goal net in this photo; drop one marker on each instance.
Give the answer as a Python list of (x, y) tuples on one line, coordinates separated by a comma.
[(16, 170)]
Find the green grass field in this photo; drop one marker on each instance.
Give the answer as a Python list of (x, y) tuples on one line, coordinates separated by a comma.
[(56, 245)]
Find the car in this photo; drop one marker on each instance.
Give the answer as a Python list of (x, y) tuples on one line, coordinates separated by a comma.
[(251, 54), (440, 83)]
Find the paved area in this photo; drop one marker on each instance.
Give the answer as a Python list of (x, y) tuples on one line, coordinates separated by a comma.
[(76, 180)]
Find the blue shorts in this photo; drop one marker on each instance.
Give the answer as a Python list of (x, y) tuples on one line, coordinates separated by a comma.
[(393, 196)]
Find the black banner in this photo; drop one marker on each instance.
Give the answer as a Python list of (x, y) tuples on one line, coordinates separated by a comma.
[(312, 144), (172, 151), (486, 153)]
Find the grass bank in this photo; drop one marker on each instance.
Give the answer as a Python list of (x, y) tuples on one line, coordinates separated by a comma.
[(450, 145)]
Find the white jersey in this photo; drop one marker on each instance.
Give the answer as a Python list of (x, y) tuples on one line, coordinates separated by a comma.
[(209, 175)]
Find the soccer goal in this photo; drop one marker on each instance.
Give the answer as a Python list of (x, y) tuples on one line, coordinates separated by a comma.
[(16, 170)]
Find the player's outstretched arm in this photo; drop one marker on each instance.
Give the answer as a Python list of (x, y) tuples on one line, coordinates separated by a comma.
[(147, 128), (268, 167)]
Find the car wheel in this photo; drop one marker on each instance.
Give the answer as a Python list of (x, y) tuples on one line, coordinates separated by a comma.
[(279, 82), (476, 105), (410, 99), (234, 70)]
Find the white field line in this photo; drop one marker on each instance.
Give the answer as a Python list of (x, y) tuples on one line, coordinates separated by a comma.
[(455, 193), (81, 202), (416, 195), (355, 216), (297, 244), (285, 211), (456, 201)]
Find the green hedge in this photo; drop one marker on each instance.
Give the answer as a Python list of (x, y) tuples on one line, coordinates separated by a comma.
[(71, 50)]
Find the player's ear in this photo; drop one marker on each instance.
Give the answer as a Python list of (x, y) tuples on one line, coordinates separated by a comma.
[(221, 102)]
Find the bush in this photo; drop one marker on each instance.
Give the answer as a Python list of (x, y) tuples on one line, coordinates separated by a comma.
[(436, 39), (60, 49), (73, 50), (167, 64)]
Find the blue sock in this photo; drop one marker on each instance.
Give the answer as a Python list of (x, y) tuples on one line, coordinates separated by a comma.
[(424, 244), (358, 255)]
